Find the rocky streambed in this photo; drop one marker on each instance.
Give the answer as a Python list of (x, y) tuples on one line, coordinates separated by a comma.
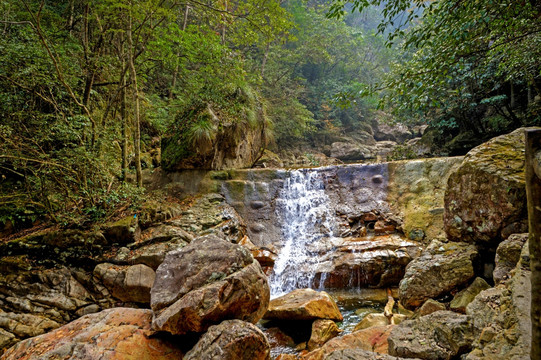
[(427, 256)]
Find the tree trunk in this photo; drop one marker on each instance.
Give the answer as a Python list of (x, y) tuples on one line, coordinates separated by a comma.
[(177, 66), (533, 191), (224, 18), (265, 57), (136, 114), (124, 120)]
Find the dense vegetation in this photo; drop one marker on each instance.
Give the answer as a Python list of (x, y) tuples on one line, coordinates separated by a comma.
[(88, 88), (468, 68)]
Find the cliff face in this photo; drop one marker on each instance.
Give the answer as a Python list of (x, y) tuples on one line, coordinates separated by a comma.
[(206, 137), (405, 194)]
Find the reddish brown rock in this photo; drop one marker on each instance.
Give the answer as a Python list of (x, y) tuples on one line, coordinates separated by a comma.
[(114, 334), (231, 340), (266, 257), (372, 339), (206, 282), (322, 331), (303, 304)]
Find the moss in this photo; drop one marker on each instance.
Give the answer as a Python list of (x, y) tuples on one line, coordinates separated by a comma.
[(219, 175)]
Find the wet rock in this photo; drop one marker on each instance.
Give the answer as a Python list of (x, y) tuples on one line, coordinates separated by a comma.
[(123, 231), (205, 282), (303, 304), (377, 319), (430, 306), (278, 338), (231, 340), (442, 335), (117, 334), (360, 262), (441, 268), (491, 177), (322, 331), (371, 339), (507, 256), (265, 256), (466, 296), (287, 357)]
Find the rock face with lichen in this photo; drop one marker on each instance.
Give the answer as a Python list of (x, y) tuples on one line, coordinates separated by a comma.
[(441, 335), (205, 282), (118, 334), (485, 200), (441, 268), (223, 142), (501, 317)]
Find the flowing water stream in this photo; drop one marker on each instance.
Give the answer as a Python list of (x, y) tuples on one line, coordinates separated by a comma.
[(307, 225)]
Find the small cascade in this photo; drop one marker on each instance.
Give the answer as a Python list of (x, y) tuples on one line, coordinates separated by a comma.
[(307, 225)]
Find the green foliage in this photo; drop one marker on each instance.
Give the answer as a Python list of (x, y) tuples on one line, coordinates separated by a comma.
[(463, 64), (401, 152)]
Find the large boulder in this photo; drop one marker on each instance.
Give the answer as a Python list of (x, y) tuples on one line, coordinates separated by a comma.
[(485, 199), (227, 142), (507, 256), (442, 335), (206, 282), (371, 339), (303, 304), (127, 283), (397, 132), (441, 268), (378, 261), (117, 334), (350, 151), (231, 340)]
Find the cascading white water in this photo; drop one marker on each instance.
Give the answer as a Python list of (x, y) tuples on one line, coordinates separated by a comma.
[(307, 224)]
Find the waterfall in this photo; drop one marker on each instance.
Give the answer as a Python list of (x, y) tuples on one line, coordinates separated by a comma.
[(307, 225)]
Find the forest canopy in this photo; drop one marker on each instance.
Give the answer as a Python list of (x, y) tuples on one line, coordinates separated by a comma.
[(89, 88), (95, 92), (465, 66)]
